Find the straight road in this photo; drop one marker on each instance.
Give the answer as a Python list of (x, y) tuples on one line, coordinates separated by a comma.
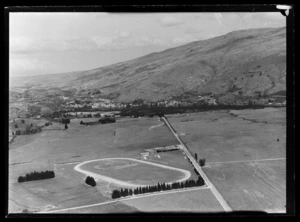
[(198, 168), (126, 198)]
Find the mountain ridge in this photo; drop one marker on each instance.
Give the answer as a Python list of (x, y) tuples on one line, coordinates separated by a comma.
[(244, 62)]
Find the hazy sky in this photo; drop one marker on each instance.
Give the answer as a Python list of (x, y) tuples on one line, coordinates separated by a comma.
[(45, 43)]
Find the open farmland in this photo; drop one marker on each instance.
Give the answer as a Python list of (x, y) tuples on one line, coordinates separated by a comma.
[(244, 151), (233, 135), (251, 185), (200, 200), (56, 148)]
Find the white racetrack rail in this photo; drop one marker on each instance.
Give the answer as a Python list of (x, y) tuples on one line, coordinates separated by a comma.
[(187, 174)]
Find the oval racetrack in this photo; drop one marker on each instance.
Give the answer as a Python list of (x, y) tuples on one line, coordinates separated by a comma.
[(78, 168)]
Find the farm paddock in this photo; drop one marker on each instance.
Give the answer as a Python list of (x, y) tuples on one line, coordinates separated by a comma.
[(256, 186), (245, 152), (60, 150)]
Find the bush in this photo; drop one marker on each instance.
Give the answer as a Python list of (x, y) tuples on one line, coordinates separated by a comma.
[(81, 122), (16, 125), (25, 211), (21, 179), (66, 121), (202, 162), (90, 181)]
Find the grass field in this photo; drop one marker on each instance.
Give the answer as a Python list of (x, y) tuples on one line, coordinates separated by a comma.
[(174, 158), (235, 135), (251, 185), (133, 172), (112, 208), (190, 201), (55, 147), (218, 136), (65, 190), (230, 141)]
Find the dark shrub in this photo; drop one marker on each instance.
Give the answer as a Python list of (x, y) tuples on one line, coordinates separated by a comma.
[(21, 179), (202, 162), (90, 181)]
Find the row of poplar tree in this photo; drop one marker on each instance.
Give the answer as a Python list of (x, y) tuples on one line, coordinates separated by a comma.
[(157, 188)]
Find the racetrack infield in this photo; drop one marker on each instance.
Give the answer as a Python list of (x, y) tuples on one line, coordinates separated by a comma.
[(132, 172)]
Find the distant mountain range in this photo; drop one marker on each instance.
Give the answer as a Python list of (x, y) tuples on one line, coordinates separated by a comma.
[(244, 62)]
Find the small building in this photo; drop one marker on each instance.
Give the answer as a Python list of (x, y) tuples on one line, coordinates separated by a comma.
[(145, 154)]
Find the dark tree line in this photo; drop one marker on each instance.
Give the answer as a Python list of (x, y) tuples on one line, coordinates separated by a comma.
[(166, 150), (100, 121), (157, 188), (107, 120), (154, 110), (36, 176), (90, 181)]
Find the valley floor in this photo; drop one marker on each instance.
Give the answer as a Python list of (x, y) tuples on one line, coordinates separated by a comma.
[(244, 151)]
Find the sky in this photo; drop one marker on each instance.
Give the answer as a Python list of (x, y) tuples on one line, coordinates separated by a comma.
[(48, 43)]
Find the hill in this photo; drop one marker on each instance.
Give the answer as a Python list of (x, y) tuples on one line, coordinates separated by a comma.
[(244, 62)]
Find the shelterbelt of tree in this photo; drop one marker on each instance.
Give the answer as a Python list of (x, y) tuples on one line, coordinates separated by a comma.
[(186, 173)]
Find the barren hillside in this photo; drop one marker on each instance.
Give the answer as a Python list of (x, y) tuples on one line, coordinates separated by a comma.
[(241, 62)]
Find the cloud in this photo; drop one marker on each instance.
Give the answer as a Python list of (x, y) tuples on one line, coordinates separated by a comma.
[(120, 34), (25, 45), (183, 40), (29, 66), (170, 21), (218, 16), (274, 16), (118, 40), (148, 41)]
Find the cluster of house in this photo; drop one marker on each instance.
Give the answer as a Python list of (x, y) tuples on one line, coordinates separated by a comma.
[(90, 114), (103, 103), (277, 100), (207, 99)]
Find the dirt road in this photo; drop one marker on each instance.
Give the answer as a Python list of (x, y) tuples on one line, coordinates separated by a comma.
[(198, 168)]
